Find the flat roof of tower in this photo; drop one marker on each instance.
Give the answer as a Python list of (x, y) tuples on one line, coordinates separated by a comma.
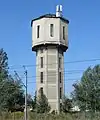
[(49, 16)]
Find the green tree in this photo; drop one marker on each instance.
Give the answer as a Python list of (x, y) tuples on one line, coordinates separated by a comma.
[(87, 92), (3, 65), (11, 92), (3, 74), (29, 100), (11, 95), (34, 102), (42, 105), (66, 104)]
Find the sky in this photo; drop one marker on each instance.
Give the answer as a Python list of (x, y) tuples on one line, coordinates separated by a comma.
[(83, 35)]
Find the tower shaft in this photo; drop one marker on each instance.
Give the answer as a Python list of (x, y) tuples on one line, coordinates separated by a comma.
[(50, 74)]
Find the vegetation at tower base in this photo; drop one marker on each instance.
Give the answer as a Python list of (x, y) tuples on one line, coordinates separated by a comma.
[(42, 105), (87, 92), (11, 92), (66, 105), (29, 100), (34, 102), (45, 116)]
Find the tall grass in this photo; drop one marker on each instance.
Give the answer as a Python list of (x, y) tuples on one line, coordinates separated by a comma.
[(34, 116), (11, 116)]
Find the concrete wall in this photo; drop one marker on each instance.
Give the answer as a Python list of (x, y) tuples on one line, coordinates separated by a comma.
[(51, 83), (45, 31), (64, 42)]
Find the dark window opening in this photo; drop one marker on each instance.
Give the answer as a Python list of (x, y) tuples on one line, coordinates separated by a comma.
[(59, 62), (60, 92), (41, 77), (38, 31), (41, 62), (61, 106), (41, 90), (36, 53), (63, 32), (41, 50), (60, 76), (51, 30)]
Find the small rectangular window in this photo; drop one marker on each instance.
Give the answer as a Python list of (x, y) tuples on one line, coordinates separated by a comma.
[(51, 30), (60, 92), (59, 62), (38, 31), (41, 90), (63, 32), (41, 62), (36, 53), (61, 106), (41, 77), (41, 50), (60, 77)]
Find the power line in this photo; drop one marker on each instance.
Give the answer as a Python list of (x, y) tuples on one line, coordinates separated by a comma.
[(64, 72), (68, 71), (69, 62), (53, 74), (73, 79), (68, 79)]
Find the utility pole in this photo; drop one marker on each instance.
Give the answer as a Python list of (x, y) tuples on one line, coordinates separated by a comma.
[(26, 95), (25, 85)]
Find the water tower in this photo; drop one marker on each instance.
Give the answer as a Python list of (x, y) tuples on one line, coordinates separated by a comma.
[(50, 41)]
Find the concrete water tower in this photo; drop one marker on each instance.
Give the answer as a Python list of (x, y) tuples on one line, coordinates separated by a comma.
[(50, 41)]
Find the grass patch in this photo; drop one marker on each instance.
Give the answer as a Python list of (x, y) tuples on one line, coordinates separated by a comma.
[(34, 116)]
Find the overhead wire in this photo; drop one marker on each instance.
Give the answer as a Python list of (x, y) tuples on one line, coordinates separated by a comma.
[(66, 62), (67, 72), (73, 79), (64, 72), (38, 77)]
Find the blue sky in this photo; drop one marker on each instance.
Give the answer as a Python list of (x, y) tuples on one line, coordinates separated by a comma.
[(84, 34)]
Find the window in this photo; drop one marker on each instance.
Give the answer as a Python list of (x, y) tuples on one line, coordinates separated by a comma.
[(41, 77), (61, 106), (41, 50), (60, 92), (41, 62), (38, 31), (60, 77), (59, 62), (63, 32), (36, 53), (41, 90), (51, 30)]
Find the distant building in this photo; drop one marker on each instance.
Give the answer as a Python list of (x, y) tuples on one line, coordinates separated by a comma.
[(50, 41), (75, 109)]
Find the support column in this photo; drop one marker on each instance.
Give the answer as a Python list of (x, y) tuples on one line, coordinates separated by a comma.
[(57, 81), (46, 71)]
